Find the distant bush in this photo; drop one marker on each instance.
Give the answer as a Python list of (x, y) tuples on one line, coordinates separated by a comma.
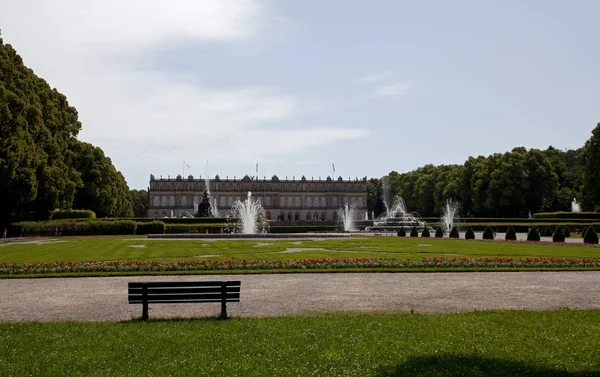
[(72, 214), (402, 232), (77, 228), (547, 231), (425, 232), (470, 235), (566, 231), (439, 233), (558, 235), (591, 237), (488, 234), (510, 234), (414, 233), (534, 235), (454, 233), (154, 227)]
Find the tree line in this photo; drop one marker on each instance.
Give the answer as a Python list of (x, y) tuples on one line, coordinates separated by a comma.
[(43, 166), (512, 184)]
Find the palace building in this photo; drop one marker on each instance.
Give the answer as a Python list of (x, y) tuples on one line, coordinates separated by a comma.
[(282, 199)]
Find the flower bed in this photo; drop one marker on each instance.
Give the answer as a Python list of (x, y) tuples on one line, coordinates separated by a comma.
[(295, 264)]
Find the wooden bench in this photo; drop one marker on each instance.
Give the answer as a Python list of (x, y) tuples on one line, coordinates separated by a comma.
[(183, 292)]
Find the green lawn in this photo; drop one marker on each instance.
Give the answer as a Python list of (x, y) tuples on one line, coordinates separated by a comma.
[(495, 343), (83, 249)]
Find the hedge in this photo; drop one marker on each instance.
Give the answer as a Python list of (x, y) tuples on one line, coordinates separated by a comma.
[(402, 232), (488, 234), (425, 232), (591, 237), (413, 232), (568, 215), (454, 232), (72, 214), (439, 233), (469, 235), (558, 235), (303, 228), (74, 228), (533, 234), (510, 234), (154, 227), (196, 228)]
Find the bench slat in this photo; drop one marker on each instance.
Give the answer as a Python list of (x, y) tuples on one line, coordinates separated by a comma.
[(184, 284), (205, 296), (153, 291), (181, 301)]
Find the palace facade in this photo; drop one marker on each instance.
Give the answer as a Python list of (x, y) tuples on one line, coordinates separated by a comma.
[(282, 199)]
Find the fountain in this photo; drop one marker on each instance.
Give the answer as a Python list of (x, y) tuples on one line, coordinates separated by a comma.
[(575, 207), (396, 217), (450, 216), (346, 214), (251, 215)]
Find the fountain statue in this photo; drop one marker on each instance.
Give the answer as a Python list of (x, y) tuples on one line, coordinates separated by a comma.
[(204, 206), (251, 215), (450, 216), (346, 215)]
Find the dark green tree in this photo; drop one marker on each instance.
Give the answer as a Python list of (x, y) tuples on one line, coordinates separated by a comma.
[(534, 234), (414, 233), (566, 231), (469, 235), (590, 193), (139, 199), (488, 234), (591, 237), (454, 233), (402, 232), (558, 235), (439, 233), (425, 232), (510, 234)]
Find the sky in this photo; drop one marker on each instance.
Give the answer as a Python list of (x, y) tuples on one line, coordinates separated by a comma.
[(306, 87)]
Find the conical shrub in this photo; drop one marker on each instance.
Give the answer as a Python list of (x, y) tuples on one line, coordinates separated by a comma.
[(547, 231), (533, 234), (566, 231), (488, 234), (402, 232), (414, 233), (470, 235), (591, 236), (425, 232), (454, 233), (439, 233), (558, 235), (510, 234), (584, 231)]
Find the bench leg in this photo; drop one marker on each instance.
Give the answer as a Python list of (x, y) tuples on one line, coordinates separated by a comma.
[(145, 311), (223, 310)]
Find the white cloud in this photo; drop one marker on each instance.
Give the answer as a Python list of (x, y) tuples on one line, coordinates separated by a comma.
[(392, 90), (374, 77), (146, 119), (383, 84)]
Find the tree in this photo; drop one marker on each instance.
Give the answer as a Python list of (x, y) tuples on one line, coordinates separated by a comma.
[(439, 233), (534, 235), (488, 234), (470, 235), (414, 233), (425, 232), (454, 233), (591, 237), (139, 199), (558, 235), (510, 234), (590, 193)]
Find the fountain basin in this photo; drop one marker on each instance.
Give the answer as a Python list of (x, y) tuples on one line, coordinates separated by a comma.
[(249, 236)]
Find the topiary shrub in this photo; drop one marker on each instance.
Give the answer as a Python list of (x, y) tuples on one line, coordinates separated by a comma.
[(558, 235), (425, 232), (547, 231), (584, 231), (72, 214), (402, 232), (470, 235), (533, 234), (566, 231), (454, 233), (439, 233), (414, 233), (510, 234), (591, 237), (488, 234)]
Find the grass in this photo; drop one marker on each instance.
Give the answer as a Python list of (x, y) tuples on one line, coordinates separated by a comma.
[(494, 343), (128, 248)]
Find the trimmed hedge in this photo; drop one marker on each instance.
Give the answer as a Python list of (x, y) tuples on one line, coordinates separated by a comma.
[(76, 228), (470, 235), (454, 232), (566, 231), (558, 235), (510, 234), (533, 234), (567, 215), (414, 233), (402, 232), (439, 233), (591, 237), (425, 232), (195, 228), (488, 234), (303, 228), (154, 227), (62, 214)]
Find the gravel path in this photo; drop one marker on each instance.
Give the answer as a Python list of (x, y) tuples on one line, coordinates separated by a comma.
[(105, 299)]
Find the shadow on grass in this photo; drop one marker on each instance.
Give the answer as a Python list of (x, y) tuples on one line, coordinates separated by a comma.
[(178, 319), (455, 366)]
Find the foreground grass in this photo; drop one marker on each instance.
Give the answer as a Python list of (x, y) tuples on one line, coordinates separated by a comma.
[(495, 343), (128, 248)]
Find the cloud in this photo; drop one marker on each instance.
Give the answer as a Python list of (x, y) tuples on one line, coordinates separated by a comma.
[(145, 119), (374, 77), (392, 90), (383, 84)]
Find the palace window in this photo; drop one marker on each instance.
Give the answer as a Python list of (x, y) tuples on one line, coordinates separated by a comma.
[(184, 201), (281, 216), (268, 215), (297, 216), (297, 201), (335, 216), (307, 216), (315, 216), (157, 202), (289, 216), (163, 201), (290, 201), (323, 216)]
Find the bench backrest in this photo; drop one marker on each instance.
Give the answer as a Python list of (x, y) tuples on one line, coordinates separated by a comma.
[(184, 291)]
